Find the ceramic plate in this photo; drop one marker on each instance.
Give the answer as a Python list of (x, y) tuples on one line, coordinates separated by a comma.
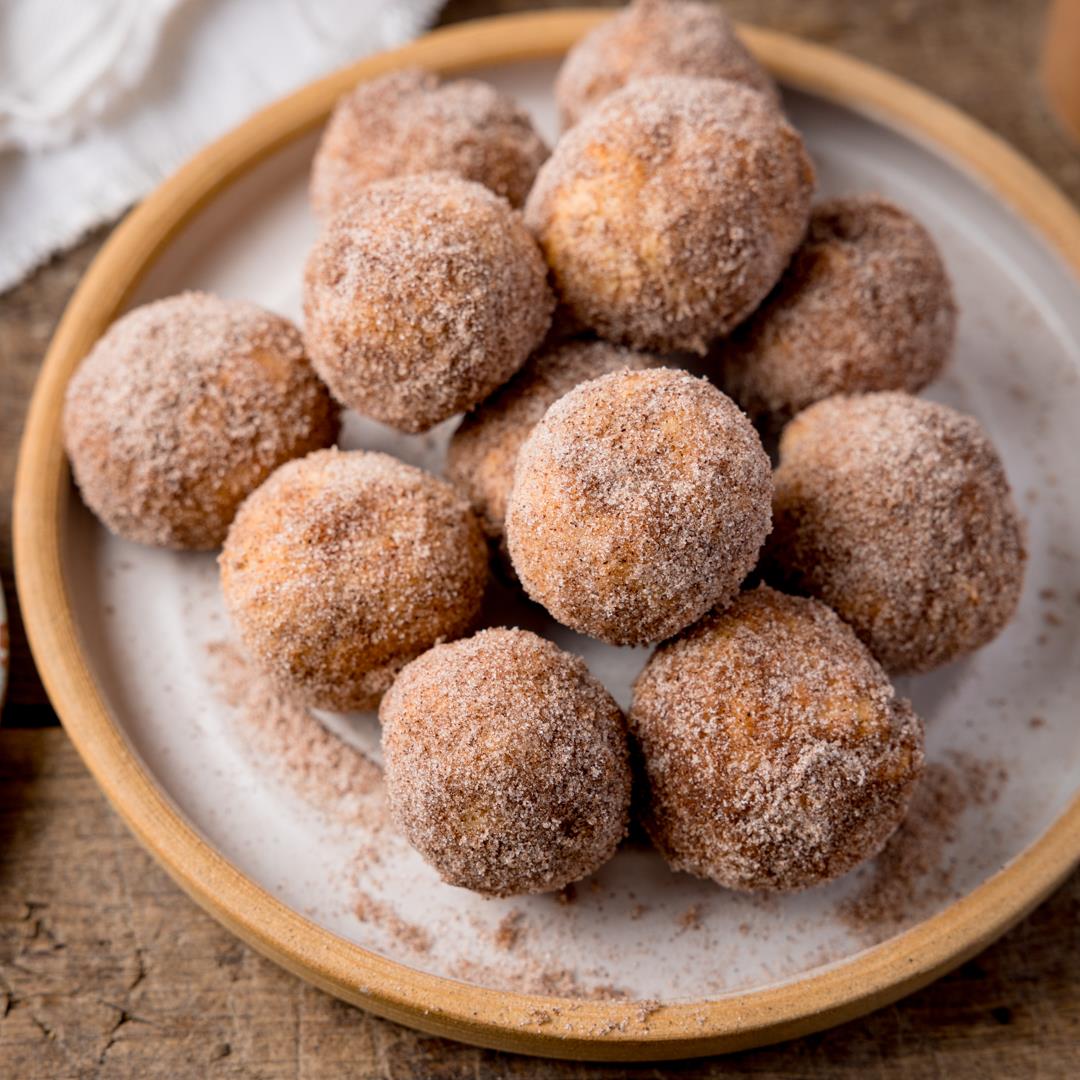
[(291, 801)]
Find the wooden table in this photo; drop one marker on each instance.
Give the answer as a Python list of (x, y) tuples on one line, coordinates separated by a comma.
[(106, 969)]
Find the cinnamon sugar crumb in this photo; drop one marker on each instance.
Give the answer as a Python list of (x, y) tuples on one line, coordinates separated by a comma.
[(510, 930), (536, 977), (646, 1009), (690, 919), (538, 1017)]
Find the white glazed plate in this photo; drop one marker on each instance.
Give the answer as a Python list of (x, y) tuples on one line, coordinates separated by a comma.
[(1001, 730)]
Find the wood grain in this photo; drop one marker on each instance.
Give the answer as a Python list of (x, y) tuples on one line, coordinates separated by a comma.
[(1015, 1011)]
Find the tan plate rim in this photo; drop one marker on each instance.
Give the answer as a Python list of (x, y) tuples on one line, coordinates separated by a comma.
[(438, 1005)]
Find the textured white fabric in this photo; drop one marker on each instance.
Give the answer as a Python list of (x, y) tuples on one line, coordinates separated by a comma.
[(102, 99), (66, 61)]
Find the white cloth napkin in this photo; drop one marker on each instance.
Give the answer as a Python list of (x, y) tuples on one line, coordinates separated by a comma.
[(102, 99)]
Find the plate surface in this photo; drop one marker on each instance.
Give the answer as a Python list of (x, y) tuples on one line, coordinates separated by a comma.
[(245, 801)]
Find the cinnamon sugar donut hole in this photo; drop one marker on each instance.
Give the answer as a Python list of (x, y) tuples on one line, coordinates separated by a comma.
[(506, 763), (776, 753), (183, 408), (671, 210), (409, 122), (653, 38), (866, 304), (896, 512), (421, 297), (639, 502), (342, 567), (484, 449)]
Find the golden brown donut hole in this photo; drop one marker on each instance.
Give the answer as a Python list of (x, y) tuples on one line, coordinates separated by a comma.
[(896, 512), (506, 763), (421, 297), (640, 501), (408, 122), (775, 752), (671, 210), (344, 566), (182, 409)]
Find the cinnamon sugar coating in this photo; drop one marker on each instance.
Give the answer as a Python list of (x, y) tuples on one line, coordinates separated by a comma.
[(342, 567), (639, 502), (776, 753), (653, 38), (897, 513), (484, 449), (183, 408), (671, 210), (506, 763), (410, 122), (421, 297), (866, 304)]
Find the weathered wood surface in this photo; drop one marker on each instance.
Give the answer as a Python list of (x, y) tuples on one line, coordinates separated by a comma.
[(106, 969)]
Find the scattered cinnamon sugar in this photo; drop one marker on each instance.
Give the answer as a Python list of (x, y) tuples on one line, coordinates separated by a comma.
[(637, 1019), (538, 977), (598, 992), (510, 930), (336, 778), (646, 1008), (638, 910), (1036, 722), (369, 910), (690, 919), (913, 874), (539, 1017)]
